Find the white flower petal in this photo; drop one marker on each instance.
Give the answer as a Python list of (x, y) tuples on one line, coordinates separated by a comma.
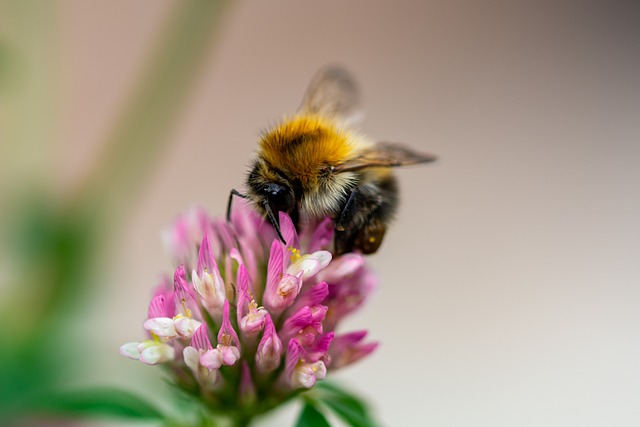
[(319, 370), (155, 354), (324, 257), (303, 377), (191, 357), (210, 287), (130, 350), (185, 326), (310, 264), (306, 374), (161, 326)]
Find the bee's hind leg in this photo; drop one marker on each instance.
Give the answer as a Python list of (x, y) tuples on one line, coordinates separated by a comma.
[(362, 223), (346, 228), (348, 211), (357, 226)]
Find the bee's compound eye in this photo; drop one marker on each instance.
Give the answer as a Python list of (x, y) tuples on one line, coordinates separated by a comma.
[(272, 189), (278, 196)]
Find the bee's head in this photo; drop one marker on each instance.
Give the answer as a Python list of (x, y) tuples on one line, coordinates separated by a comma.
[(271, 191), (278, 196)]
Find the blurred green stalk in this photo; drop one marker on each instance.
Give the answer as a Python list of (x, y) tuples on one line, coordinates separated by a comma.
[(145, 125), (54, 247)]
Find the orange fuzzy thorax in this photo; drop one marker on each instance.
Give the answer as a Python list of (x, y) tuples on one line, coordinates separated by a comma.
[(303, 145)]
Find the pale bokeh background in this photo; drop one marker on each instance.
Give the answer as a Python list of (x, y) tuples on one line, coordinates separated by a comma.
[(511, 280)]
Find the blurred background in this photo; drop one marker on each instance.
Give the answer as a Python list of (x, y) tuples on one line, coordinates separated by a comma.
[(510, 283)]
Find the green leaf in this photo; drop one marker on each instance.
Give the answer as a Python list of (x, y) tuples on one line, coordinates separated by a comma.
[(345, 405), (311, 417), (98, 402), (348, 413)]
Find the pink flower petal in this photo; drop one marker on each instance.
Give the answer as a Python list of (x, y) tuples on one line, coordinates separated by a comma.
[(342, 267), (229, 354), (227, 329), (304, 325), (211, 289), (285, 294), (236, 255), (312, 296), (254, 321), (211, 359), (322, 235), (244, 219), (266, 232), (288, 231), (206, 260), (243, 293), (157, 307), (251, 259), (320, 347), (299, 320), (351, 355), (225, 234), (318, 312), (341, 342), (274, 270), (270, 348), (251, 326), (182, 237), (184, 301), (207, 280), (200, 339), (346, 296), (294, 351), (247, 388)]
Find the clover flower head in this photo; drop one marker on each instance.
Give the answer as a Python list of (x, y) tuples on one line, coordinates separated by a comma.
[(250, 317)]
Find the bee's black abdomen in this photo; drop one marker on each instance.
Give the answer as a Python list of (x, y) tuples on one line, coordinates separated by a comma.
[(369, 239), (389, 192)]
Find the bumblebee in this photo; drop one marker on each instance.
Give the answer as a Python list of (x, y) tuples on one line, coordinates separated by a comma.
[(313, 165)]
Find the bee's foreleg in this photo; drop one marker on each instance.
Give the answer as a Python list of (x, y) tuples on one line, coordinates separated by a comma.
[(232, 193)]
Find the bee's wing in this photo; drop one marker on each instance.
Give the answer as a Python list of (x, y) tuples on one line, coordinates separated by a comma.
[(384, 154), (334, 93)]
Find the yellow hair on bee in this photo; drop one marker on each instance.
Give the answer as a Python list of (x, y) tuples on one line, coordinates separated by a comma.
[(304, 144)]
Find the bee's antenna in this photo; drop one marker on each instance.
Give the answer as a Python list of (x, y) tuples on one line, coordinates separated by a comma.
[(273, 220)]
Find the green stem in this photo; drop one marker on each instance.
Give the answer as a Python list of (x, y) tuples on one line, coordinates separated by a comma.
[(242, 419)]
